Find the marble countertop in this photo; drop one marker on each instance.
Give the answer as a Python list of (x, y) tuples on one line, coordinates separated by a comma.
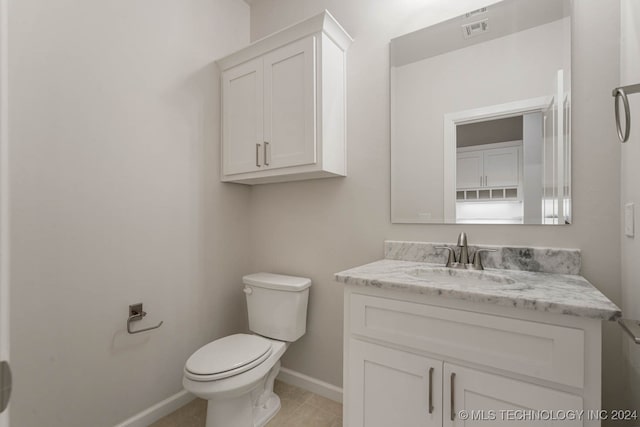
[(568, 294)]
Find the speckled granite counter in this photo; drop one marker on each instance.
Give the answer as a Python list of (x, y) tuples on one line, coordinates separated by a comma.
[(541, 260), (568, 294)]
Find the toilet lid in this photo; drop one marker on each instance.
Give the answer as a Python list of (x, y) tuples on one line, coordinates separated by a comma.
[(228, 356)]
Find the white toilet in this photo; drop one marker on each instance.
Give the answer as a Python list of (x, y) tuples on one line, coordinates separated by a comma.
[(236, 373)]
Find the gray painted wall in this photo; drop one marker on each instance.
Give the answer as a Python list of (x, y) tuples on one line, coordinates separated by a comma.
[(532, 173), (316, 228), (630, 180), (116, 199)]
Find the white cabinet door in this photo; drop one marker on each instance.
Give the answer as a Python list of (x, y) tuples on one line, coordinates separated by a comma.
[(490, 399), (501, 167), (469, 171), (392, 388), (242, 116), (290, 105)]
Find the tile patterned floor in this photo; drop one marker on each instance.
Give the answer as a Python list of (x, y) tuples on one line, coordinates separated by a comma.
[(300, 408)]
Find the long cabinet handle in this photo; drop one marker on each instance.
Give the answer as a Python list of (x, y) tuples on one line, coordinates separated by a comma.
[(453, 410), (431, 390), (258, 155), (267, 150)]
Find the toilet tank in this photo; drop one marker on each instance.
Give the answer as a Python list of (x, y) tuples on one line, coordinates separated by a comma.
[(277, 305)]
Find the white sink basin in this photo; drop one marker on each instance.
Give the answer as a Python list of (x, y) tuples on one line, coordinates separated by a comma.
[(465, 278)]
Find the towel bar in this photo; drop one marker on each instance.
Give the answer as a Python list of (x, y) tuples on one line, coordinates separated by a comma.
[(622, 92), (632, 327)]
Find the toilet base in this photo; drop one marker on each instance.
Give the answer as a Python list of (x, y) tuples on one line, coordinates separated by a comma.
[(239, 412), (267, 403), (234, 412), (264, 414), (253, 409)]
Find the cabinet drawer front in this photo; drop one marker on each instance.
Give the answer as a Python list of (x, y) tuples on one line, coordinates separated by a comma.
[(539, 350)]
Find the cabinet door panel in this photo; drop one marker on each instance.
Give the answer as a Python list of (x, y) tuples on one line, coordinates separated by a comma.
[(496, 398), (469, 172), (388, 387), (242, 111), (501, 167), (290, 104)]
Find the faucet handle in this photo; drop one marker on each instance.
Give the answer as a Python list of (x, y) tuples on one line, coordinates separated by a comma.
[(452, 255), (477, 261)]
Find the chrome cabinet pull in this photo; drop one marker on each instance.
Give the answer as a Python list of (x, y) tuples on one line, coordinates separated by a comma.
[(453, 411), (431, 390), (481, 181), (267, 150), (257, 155)]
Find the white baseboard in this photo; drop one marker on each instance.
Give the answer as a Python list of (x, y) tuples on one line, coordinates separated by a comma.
[(311, 384), (159, 410)]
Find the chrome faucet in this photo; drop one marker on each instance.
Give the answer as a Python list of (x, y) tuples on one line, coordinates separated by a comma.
[(463, 261), (463, 258)]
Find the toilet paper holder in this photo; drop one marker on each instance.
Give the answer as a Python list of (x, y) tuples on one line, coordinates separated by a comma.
[(136, 313)]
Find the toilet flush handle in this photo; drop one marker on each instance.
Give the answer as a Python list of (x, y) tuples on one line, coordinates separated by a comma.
[(247, 290)]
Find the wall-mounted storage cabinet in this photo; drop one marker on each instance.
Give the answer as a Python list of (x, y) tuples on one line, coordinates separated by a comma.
[(489, 172), (488, 167), (283, 105)]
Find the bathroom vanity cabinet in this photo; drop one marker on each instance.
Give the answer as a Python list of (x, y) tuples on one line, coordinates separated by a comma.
[(417, 360), (283, 105)]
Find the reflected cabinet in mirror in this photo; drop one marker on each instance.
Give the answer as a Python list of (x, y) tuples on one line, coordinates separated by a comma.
[(480, 117)]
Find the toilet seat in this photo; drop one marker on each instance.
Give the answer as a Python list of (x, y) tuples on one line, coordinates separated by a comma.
[(227, 356)]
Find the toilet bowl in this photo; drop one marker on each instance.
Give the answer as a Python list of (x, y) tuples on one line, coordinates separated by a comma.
[(235, 374), (240, 392)]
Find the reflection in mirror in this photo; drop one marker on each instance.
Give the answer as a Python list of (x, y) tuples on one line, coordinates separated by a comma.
[(480, 117), (489, 184)]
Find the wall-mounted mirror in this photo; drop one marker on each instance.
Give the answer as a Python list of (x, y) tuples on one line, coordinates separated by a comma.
[(480, 117)]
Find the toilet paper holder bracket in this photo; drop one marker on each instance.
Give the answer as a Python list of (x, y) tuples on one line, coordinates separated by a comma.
[(136, 313)]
